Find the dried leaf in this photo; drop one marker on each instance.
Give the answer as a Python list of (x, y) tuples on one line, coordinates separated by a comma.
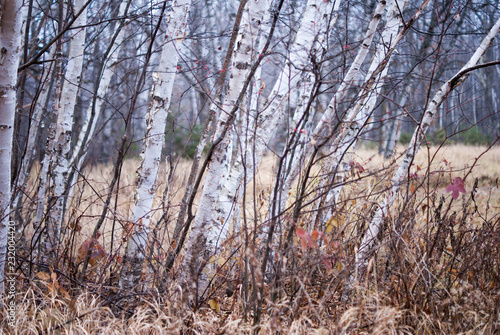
[(424, 208), (127, 231), (64, 293), (331, 224), (97, 252), (43, 276), (214, 305)]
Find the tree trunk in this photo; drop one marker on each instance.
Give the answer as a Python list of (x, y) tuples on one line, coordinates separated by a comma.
[(320, 134), (367, 101), (156, 119), (59, 152), (207, 232), (33, 138), (368, 243), (95, 107), (11, 19)]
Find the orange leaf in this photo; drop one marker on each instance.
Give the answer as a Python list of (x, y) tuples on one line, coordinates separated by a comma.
[(43, 276), (315, 235), (91, 245)]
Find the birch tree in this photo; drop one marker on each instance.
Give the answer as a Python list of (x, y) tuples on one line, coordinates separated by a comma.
[(310, 42), (94, 110), (320, 132), (156, 119), (368, 243), (364, 107), (11, 19), (59, 143), (35, 126), (205, 236)]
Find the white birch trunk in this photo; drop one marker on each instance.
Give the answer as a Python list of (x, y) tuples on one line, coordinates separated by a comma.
[(344, 150), (206, 232), (309, 41), (60, 153), (395, 127), (94, 112), (367, 245), (298, 125), (227, 201), (321, 130), (153, 142), (35, 126), (11, 20), (314, 22)]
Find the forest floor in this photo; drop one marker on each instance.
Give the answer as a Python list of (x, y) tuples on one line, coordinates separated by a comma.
[(436, 272)]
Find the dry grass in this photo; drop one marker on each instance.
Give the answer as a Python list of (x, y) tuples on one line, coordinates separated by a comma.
[(436, 272)]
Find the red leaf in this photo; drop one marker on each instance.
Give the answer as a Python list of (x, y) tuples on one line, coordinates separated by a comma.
[(310, 241), (306, 239), (328, 261), (97, 252), (456, 187), (302, 233)]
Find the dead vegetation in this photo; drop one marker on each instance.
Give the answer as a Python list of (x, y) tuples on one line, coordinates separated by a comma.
[(437, 270)]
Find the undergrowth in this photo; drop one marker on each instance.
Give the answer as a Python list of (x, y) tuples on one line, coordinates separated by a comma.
[(436, 271)]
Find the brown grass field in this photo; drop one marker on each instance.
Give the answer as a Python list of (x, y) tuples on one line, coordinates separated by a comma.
[(437, 270)]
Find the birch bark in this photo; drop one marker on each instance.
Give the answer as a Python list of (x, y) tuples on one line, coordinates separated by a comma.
[(367, 245), (35, 125), (59, 152), (205, 236), (319, 135), (297, 143), (94, 109), (366, 104), (394, 127), (11, 20), (227, 200), (153, 142)]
